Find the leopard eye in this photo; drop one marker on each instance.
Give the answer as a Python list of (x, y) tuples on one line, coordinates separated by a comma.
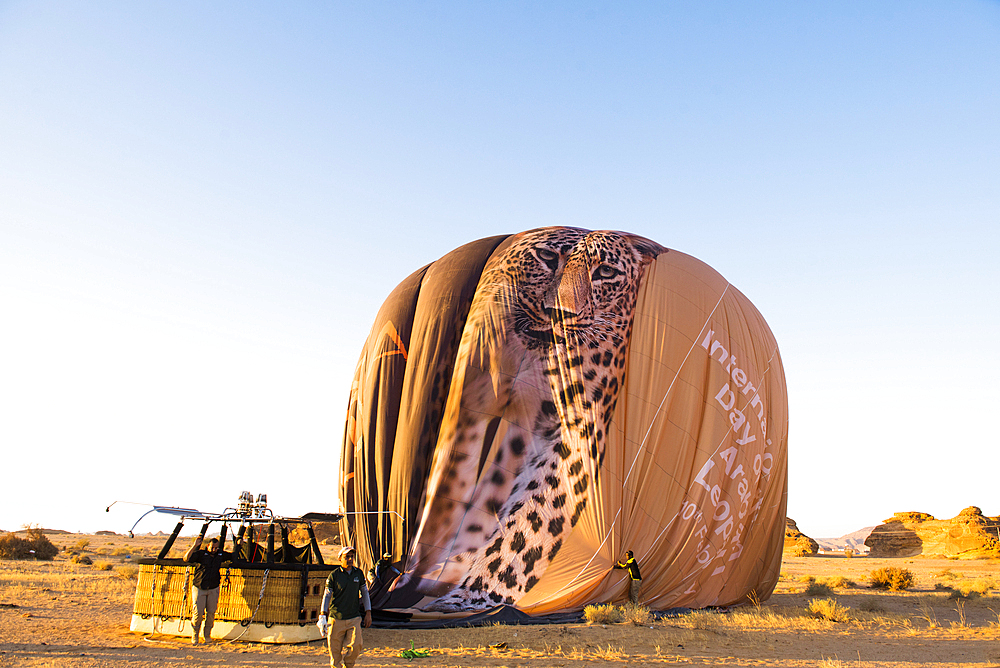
[(549, 257), (604, 272)]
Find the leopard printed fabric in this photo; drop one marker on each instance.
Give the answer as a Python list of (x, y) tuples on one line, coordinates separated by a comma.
[(523, 435)]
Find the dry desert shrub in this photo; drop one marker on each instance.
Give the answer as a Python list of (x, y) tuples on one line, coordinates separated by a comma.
[(702, 619), (837, 582), (602, 614), (35, 546), (962, 595), (829, 609), (81, 544), (614, 614), (103, 565), (127, 572), (638, 615), (892, 578), (82, 559), (818, 589), (121, 552)]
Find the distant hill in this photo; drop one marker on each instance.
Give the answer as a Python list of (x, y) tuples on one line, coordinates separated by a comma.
[(854, 540)]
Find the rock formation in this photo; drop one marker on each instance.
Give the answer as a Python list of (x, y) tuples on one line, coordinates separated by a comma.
[(327, 533), (969, 535), (797, 544)]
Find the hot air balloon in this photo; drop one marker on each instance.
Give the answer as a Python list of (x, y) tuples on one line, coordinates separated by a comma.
[(530, 406)]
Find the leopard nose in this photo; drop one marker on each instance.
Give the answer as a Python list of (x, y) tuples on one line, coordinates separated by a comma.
[(570, 295)]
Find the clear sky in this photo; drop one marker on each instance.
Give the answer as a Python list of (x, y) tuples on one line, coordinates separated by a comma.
[(203, 205)]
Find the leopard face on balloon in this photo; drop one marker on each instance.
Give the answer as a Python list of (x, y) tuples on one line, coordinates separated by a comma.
[(546, 343)]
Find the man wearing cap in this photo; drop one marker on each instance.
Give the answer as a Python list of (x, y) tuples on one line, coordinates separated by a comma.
[(633, 572), (380, 567), (381, 575), (205, 584), (345, 602)]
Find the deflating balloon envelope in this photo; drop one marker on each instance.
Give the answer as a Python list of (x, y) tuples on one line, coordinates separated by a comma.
[(529, 407)]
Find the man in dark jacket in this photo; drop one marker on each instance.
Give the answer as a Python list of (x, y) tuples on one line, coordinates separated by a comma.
[(205, 587), (633, 572), (346, 601)]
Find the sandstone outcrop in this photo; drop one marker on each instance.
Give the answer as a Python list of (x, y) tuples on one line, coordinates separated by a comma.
[(327, 533), (797, 544), (969, 535)]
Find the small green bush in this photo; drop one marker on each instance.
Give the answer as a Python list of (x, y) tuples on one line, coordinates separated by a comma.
[(892, 578)]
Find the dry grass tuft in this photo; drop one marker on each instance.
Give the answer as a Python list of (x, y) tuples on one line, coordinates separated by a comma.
[(103, 565), (611, 653), (829, 609), (614, 614), (928, 614), (602, 614)]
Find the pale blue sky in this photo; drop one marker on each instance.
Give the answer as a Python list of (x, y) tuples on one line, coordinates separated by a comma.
[(203, 207)]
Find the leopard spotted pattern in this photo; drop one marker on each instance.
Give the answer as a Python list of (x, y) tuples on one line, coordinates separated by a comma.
[(546, 345)]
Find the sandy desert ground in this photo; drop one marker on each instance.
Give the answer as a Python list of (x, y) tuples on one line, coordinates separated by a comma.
[(60, 613)]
